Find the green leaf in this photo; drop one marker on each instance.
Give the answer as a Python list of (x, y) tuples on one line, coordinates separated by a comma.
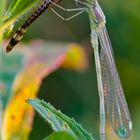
[(17, 6), (2, 8), (58, 121), (60, 136)]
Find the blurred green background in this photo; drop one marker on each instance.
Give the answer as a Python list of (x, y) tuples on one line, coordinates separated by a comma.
[(76, 94)]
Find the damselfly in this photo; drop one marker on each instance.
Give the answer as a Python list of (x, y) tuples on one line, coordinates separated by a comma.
[(112, 99), (110, 89), (22, 30)]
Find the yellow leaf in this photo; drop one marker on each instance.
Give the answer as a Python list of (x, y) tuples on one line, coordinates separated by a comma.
[(39, 62)]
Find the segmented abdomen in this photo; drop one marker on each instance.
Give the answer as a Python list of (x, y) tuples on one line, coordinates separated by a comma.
[(22, 30)]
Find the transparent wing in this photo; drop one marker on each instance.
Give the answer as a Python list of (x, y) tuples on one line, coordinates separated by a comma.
[(115, 103)]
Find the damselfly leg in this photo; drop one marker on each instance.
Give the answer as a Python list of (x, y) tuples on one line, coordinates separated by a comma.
[(80, 10)]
